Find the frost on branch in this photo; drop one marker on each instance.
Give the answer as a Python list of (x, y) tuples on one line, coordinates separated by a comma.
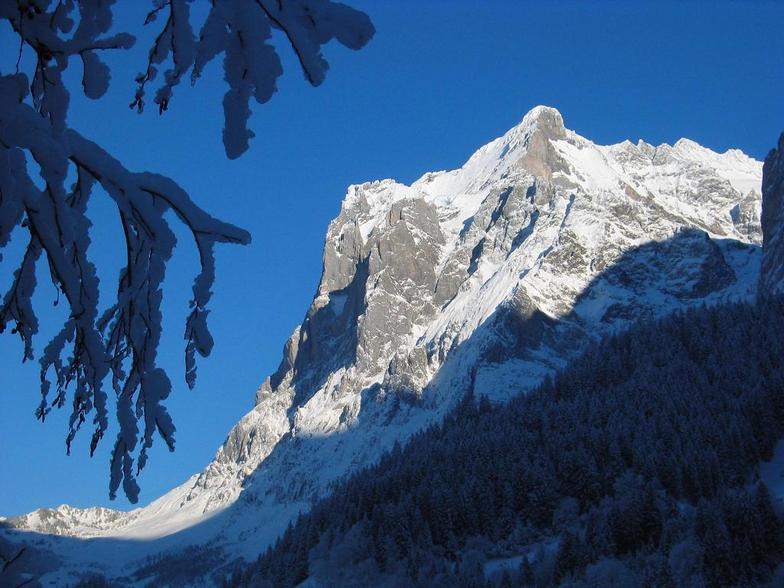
[(242, 31), (121, 344)]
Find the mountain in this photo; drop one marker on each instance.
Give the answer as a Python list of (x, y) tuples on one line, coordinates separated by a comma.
[(772, 276), (489, 277)]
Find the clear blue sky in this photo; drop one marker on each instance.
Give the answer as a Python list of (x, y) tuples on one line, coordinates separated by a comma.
[(440, 79)]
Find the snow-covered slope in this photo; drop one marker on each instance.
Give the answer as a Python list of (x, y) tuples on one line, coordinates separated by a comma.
[(487, 277)]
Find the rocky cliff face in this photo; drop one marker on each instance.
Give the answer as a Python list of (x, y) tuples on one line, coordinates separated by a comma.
[(484, 278), (518, 234), (772, 276)]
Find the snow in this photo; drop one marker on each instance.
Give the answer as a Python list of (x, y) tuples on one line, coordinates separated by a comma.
[(379, 196), (502, 381), (772, 474), (493, 568), (338, 303), (733, 165), (594, 168), (500, 565)]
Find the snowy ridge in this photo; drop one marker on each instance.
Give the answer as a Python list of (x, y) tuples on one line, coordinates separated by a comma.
[(487, 277)]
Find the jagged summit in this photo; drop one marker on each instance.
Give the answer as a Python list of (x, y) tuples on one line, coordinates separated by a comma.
[(545, 118), (560, 159), (542, 111), (487, 277)]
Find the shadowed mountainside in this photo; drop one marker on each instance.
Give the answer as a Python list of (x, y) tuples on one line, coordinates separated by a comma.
[(511, 337), (639, 465)]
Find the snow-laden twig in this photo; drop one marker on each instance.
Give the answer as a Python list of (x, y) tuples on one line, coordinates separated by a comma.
[(241, 30), (122, 341)]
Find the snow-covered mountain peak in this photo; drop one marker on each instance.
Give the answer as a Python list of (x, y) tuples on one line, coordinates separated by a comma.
[(527, 145), (545, 117), (486, 278), (543, 120)]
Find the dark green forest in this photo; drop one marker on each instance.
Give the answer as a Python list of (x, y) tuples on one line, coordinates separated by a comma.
[(636, 466)]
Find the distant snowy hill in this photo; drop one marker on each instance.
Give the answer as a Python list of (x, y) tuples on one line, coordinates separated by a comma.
[(490, 276)]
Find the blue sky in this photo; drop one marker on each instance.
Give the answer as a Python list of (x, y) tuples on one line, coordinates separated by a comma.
[(441, 78)]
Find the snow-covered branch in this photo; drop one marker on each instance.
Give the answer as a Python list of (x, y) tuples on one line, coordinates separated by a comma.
[(122, 341), (242, 31)]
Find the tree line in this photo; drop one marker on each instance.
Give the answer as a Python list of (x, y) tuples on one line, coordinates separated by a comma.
[(637, 465)]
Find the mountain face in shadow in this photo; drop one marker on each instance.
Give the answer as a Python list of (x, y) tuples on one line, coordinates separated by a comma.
[(639, 464), (505, 337), (487, 278), (772, 276)]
